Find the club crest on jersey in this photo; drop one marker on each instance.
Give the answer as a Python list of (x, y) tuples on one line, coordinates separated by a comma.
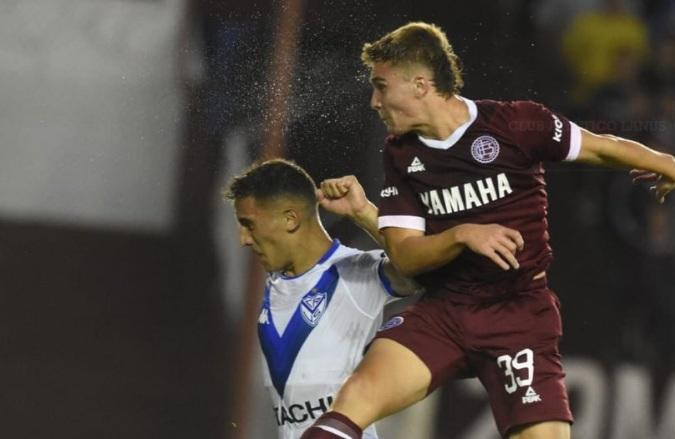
[(392, 323), (312, 307), (485, 149)]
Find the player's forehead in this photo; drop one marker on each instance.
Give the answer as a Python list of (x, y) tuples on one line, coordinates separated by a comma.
[(380, 72), (388, 72), (247, 208), (253, 208)]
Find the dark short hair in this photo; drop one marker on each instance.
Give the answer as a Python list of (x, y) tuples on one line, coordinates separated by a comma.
[(420, 43), (272, 179)]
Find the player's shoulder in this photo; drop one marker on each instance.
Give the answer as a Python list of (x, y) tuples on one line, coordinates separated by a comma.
[(350, 260), (492, 106), (507, 115), (347, 255)]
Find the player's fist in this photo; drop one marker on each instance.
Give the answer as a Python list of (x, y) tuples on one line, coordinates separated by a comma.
[(493, 241), (342, 196), (660, 185)]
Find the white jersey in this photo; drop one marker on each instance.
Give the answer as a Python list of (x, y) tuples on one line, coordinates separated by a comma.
[(313, 329)]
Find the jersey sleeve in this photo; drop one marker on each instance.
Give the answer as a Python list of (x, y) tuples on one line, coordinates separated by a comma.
[(543, 135), (398, 205), (367, 282)]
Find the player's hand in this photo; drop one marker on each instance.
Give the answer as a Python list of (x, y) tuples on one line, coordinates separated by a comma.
[(343, 196), (493, 241), (660, 185)]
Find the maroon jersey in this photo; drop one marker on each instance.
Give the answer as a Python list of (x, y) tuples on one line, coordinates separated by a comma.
[(488, 171)]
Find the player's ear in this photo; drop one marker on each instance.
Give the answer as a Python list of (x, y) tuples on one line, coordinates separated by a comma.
[(421, 86), (292, 219)]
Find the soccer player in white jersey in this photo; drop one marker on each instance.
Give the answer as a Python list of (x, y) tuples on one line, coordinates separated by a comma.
[(323, 301)]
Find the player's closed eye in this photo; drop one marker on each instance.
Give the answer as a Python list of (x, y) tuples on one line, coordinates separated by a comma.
[(246, 224)]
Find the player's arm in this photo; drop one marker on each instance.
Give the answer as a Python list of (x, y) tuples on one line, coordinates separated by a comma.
[(345, 196), (649, 165), (413, 252)]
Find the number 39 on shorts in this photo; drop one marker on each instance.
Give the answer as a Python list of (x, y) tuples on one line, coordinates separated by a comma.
[(519, 369)]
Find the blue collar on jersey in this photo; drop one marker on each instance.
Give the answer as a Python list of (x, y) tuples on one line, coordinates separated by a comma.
[(281, 351), (333, 247)]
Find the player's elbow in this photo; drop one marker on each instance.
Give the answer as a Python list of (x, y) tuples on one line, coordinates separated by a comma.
[(404, 254), (401, 285)]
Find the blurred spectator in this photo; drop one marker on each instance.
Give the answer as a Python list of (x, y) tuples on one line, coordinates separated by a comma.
[(660, 73), (595, 41), (555, 15), (622, 105), (664, 134), (660, 15), (620, 89), (665, 60)]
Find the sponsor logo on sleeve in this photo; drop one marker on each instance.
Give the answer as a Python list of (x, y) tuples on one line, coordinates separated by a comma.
[(557, 134), (388, 192)]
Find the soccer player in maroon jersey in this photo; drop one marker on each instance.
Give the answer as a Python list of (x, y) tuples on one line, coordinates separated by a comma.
[(454, 169)]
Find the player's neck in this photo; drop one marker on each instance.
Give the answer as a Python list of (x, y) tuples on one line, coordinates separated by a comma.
[(443, 117), (308, 250)]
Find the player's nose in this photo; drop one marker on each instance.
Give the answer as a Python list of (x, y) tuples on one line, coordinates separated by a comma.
[(375, 102), (245, 238)]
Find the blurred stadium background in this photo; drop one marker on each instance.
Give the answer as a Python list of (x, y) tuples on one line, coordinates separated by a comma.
[(127, 308)]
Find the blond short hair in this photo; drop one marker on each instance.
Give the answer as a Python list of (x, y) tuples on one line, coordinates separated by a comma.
[(419, 43)]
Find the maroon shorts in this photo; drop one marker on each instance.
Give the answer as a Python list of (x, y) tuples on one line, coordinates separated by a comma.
[(510, 346)]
